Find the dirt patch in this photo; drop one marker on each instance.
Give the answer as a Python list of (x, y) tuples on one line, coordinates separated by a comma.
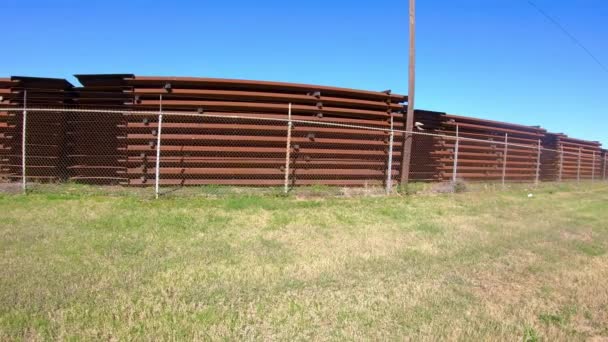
[(10, 188), (576, 236), (447, 187)]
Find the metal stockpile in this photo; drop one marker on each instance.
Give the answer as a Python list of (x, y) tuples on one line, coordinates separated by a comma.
[(207, 146), (577, 159), (46, 132), (237, 132), (426, 161), (97, 130), (481, 149), (7, 134)]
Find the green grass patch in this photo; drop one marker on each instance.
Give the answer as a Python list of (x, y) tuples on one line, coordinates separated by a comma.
[(217, 263)]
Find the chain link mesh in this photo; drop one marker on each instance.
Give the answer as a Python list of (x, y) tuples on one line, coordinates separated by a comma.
[(120, 148)]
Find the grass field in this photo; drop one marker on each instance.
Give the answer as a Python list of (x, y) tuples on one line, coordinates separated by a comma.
[(482, 265)]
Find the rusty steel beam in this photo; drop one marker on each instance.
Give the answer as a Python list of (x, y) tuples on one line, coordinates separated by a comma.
[(193, 82), (256, 96)]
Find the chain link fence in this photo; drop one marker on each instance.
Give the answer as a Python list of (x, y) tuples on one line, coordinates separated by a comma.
[(157, 152)]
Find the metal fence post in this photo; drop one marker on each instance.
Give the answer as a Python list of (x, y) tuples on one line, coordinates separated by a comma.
[(389, 168), (288, 149), (504, 159), (23, 142), (578, 169), (561, 163), (456, 147), (536, 181), (605, 162), (593, 169), (158, 142)]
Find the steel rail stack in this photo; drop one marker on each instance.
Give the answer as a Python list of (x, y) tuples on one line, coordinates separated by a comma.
[(236, 132), (424, 163), (100, 136), (576, 159), (46, 131), (481, 149), (8, 131), (215, 148)]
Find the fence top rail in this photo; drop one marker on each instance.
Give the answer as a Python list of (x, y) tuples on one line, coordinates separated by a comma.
[(236, 116)]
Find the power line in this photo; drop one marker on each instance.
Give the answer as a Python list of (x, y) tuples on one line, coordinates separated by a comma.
[(567, 33)]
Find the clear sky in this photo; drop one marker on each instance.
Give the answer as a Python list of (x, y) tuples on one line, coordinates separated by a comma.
[(495, 59)]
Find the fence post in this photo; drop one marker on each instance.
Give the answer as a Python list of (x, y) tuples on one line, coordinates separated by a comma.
[(561, 163), (593, 169), (605, 162), (536, 181), (158, 142), (504, 159), (456, 147), (389, 168), (578, 169), (288, 149), (23, 142)]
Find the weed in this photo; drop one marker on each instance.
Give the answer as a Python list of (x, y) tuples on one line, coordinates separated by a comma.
[(530, 335)]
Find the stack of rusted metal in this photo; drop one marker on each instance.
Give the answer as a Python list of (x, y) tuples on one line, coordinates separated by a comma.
[(207, 145), (97, 130), (481, 150), (7, 133), (45, 138), (551, 158), (235, 132), (424, 162), (5, 90), (575, 159), (103, 92)]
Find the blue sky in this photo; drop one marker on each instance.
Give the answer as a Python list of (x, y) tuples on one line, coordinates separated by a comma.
[(496, 59)]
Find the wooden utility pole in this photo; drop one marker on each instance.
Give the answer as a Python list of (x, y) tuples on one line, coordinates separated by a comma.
[(409, 122)]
